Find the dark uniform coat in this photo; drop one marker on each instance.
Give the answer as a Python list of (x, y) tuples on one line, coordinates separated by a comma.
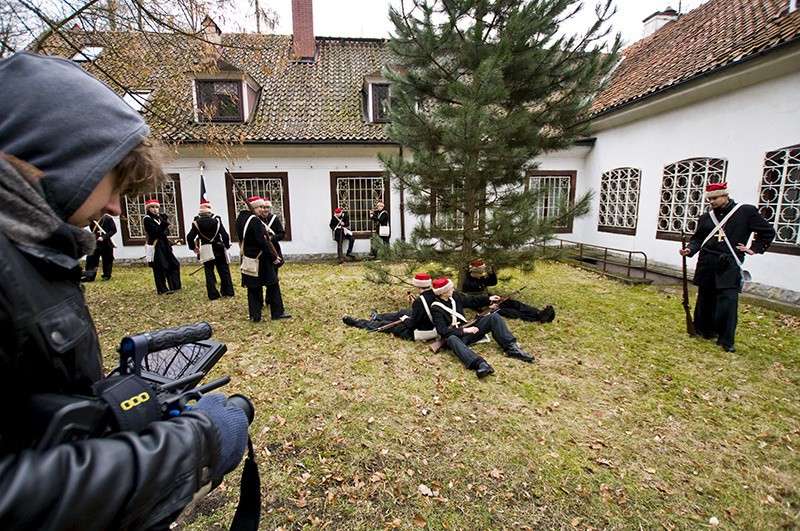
[(253, 243), (209, 230), (166, 268)]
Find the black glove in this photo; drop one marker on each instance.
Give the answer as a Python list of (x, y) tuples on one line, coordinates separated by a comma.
[(231, 424)]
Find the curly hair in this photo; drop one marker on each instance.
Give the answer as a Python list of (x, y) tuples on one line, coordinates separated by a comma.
[(140, 172)]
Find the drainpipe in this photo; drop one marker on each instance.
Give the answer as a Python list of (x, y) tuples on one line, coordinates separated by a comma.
[(402, 204)]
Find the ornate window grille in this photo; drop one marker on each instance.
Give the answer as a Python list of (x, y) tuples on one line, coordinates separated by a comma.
[(356, 193), (133, 211), (683, 194), (555, 195), (447, 220), (619, 200), (272, 186), (779, 197)]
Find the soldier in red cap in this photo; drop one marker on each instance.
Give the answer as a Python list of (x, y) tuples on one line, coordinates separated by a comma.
[(480, 276), (166, 268), (721, 237), (210, 242), (340, 225), (381, 218)]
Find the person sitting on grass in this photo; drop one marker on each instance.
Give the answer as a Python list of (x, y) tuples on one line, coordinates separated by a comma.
[(481, 276), (448, 317)]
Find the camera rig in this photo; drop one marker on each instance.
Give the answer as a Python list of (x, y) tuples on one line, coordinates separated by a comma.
[(156, 379)]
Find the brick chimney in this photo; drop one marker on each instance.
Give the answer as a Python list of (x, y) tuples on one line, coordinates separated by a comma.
[(658, 20), (303, 30), (212, 37)]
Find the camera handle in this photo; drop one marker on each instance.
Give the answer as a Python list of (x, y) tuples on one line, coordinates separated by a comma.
[(137, 347)]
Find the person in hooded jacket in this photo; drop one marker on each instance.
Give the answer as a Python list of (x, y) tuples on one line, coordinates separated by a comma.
[(69, 147), (207, 229)]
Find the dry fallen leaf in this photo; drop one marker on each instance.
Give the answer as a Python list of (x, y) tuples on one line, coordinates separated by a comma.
[(419, 521)]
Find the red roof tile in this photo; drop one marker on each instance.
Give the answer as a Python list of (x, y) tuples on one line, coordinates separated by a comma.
[(717, 34)]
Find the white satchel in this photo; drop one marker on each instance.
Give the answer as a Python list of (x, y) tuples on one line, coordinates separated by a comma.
[(384, 231), (206, 253), (150, 252)]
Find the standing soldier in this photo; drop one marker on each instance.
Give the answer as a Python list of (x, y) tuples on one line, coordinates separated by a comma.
[(340, 225), (251, 233), (382, 229), (274, 228), (166, 268), (721, 237), (210, 241), (103, 230)]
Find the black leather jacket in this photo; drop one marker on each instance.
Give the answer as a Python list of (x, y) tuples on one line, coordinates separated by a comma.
[(49, 344)]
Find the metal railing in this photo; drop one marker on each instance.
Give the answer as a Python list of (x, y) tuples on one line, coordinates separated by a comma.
[(586, 252)]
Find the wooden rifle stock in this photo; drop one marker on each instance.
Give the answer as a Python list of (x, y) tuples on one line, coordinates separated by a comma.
[(437, 345), (243, 197), (686, 308), (387, 326)]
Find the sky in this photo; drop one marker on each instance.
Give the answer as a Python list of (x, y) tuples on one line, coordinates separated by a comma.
[(369, 18)]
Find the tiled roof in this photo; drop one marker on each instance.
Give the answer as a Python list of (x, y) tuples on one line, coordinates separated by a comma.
[(717, 34), (299, 102)]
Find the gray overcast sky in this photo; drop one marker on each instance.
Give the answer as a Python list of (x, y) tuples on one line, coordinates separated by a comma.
[(368, 18)]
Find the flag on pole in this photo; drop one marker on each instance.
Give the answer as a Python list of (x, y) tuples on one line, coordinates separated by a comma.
[(203, 194)]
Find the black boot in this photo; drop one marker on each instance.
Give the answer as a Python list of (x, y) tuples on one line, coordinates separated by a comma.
[(547, 315), (484, 369), (513, 351)]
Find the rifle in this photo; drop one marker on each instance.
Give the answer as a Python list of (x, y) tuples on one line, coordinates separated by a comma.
[(243, 197), (387, 326), (437, 345), (689, 321)]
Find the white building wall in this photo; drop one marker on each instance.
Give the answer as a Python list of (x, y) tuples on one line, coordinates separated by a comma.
[(308, 170), (739, 127)]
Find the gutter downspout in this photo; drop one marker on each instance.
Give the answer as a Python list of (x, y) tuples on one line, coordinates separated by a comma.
[(402, 203)]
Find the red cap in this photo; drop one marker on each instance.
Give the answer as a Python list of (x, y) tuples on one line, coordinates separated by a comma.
[(714, 187), (337, 210), (151, 202), (477, 263), (441, 286)]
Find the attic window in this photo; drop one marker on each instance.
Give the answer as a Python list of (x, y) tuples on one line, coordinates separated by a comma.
[(219, 101), (137, 98), (381, 102), (88, 53)]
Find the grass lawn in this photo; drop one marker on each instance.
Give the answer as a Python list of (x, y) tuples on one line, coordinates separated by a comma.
[(623, 423)]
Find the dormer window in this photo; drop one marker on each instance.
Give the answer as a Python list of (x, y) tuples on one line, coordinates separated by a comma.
[(219, 101), (87, 54), (228, 96), (137, 99), (378, 99)]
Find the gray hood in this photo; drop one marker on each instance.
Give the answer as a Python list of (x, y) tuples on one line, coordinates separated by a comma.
[(66, 123)]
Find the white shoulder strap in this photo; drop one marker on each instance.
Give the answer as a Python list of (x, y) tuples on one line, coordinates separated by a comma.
[(427, 308), (455, 316), (719, 224)]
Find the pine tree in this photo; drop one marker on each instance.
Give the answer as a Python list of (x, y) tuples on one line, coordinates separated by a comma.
[(480, 89)]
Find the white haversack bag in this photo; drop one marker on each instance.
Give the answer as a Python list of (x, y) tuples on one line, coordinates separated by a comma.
[(206, 253), (383, 231), (149, 252), (249, 266)]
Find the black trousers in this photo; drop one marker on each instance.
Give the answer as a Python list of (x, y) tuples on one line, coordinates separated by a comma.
[(166, 277), (106, 252), (392, 316), (225, 281), (716, 313), (518, 310), (399, 330), (255, 301), (340, 237), (488, 323)]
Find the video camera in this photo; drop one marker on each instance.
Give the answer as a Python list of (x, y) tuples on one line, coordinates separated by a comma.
[(155, 380)]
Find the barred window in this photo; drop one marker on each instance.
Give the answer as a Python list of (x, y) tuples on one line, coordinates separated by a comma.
[(683, 194), (133, 212), (356, 194), (219, 101), (779, 198), (619, 200), (445, 218), (556, 195), (273, 186)]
